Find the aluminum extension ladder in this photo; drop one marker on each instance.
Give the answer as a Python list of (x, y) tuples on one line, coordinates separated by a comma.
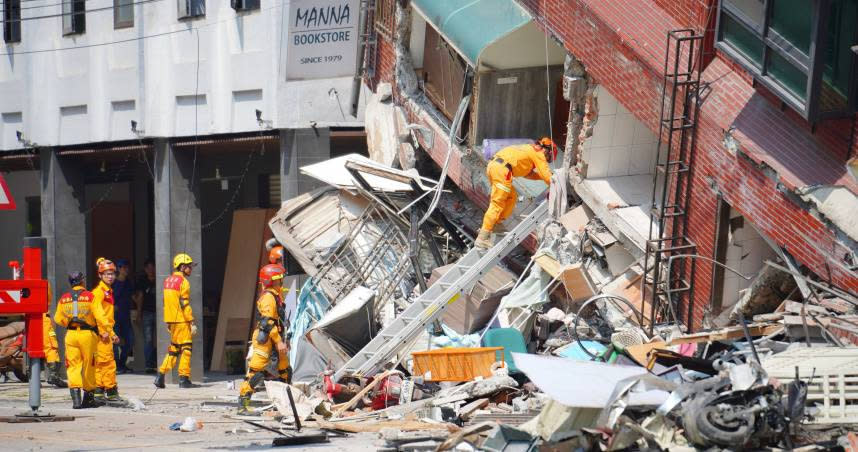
[(406, 328)]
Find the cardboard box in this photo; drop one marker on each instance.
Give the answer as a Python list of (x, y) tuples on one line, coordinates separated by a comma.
[(473, 311)]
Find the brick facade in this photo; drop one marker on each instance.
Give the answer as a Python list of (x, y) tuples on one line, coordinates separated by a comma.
[(622, 43)]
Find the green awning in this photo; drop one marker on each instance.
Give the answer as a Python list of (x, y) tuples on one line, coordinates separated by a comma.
[(471, 25)]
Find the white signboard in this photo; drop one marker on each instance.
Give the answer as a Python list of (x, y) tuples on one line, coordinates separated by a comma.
[(323, 37)]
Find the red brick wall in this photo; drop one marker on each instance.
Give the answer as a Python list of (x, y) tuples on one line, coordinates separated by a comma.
[(622, 44)]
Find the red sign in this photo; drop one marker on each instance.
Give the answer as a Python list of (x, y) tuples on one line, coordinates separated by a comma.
[(6, 201)]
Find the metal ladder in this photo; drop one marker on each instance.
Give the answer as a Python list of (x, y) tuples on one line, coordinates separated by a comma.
[(406, 328)]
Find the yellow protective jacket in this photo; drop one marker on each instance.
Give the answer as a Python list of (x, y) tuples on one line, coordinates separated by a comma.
[(269, 316), (85, 308), (526, 160), (177, 299), (103, 308)]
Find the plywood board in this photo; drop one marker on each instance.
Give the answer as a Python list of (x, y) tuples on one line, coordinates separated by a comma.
[(239, 280)]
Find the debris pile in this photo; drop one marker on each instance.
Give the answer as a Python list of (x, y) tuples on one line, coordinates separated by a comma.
[(405, 330)]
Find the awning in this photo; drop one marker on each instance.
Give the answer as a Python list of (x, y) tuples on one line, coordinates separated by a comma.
[(471, 26)]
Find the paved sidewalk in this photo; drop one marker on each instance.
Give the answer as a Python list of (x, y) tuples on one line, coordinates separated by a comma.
[(108, 428)]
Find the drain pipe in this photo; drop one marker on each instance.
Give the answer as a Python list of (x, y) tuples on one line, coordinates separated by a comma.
[(361, 49)]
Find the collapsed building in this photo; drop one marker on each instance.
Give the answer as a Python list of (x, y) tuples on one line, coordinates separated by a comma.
[(687, 279)]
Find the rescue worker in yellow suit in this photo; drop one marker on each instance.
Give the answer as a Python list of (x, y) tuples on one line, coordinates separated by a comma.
[(522, 160), (52, 352), (268, 336), (180, 321), (105, 365), (51, 348), (76, 313)]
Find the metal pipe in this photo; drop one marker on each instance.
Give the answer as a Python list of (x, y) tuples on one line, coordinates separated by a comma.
[(361, 49), (35, 384)]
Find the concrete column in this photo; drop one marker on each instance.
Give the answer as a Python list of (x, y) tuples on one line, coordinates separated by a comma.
[(177, 230), (64, 223), (299, 147)]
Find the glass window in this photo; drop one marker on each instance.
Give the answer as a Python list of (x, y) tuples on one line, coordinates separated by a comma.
[(191, 8), (742, 40), (838, 55), (792, 20), (753, 10), (74, 16), (787, 75), (123, 13), (12, 20)]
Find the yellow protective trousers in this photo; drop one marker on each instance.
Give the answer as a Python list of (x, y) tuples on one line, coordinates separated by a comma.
[(50, 345), (259, 359), (179, 349), (105, 365), (80, 358), (503, 197)]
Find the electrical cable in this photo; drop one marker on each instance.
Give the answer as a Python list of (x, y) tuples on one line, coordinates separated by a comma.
[(94, 10), (237, 189), (196, 145), (60, 4), (138, 38), (439, 189)]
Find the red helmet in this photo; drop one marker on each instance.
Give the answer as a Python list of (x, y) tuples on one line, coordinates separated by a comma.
[(275, 256), (270, 273), (104, 265), (548, 145)]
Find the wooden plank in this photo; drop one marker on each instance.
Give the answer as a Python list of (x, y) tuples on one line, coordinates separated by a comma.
[(239, 279), (376, 426), (466, 411), (574, 278), (640, 352), (730, 333)]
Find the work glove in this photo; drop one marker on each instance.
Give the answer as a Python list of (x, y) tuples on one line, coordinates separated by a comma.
[(193, 329)]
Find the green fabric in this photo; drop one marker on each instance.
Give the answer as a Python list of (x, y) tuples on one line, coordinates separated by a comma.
[(470, 26), (511, 340)]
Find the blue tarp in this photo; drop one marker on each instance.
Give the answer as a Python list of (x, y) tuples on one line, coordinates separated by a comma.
[(470, 26), (312, 305)]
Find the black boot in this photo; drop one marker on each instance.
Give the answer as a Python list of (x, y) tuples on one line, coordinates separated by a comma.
[(76, 400), (89, 400), (98, 393), (113, 394), (185, 382), (53, 376), (244, 405), (159, 381)]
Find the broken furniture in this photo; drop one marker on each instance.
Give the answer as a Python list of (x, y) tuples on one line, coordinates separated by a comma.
[(511, 340), (475, 308), (457, 363)]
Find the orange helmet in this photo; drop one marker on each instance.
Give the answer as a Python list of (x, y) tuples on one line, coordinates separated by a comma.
[(270, 273), (104, 265), (275, 256), (549, 147)]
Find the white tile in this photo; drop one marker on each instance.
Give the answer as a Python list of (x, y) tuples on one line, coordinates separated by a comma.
[(618, 165), (624, 129), (607, 102), (642, 134), (603, 131), (640, 159), (598, 162)]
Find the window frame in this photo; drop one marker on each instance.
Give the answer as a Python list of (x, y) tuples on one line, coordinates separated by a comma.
[(811, 65), (11, 21), (245, 5), (188, 12), (117, 22), (74, 22), (385, 17)]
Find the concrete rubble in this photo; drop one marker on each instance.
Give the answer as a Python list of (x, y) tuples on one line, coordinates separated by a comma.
[(580, 364), (552, 348)]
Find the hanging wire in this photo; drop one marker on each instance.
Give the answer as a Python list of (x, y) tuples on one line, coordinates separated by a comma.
[(237, 189), (138, 38), (94, 10), (196, 145)]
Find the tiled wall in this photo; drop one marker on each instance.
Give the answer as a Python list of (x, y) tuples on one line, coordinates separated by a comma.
[(621, 145)]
